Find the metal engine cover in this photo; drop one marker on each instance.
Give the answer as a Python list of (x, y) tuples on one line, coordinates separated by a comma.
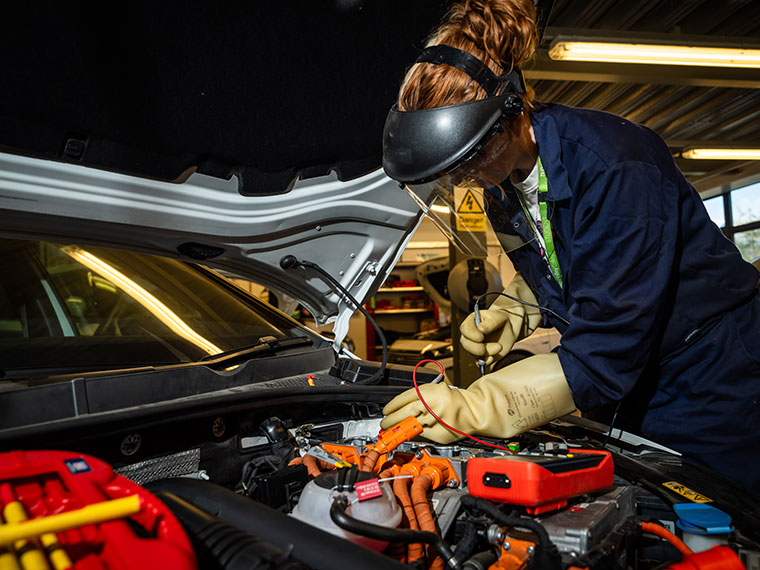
[(583, 526)]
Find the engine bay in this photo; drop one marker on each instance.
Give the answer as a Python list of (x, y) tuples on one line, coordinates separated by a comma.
[(538, 502), (275, 491)]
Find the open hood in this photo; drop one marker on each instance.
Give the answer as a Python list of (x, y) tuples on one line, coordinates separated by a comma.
[(354, 230), (268, 92), (217, 133)]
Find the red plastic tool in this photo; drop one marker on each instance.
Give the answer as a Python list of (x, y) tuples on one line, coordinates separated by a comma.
[(51, 482)]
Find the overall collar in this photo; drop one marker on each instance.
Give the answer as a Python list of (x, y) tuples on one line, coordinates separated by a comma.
[(548, 140)]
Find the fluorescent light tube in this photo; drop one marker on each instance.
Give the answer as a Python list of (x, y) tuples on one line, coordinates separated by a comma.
[(722, 153), (652, 53)]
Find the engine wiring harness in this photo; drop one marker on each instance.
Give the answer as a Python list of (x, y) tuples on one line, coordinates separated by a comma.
[(501, 534), (352, 496)]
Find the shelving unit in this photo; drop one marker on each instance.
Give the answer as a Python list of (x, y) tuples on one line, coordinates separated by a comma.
[(403, 311), (407, 264), (397, 320), (404, 317)]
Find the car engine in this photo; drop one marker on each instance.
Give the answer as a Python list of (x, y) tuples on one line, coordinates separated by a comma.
[(338, 493)]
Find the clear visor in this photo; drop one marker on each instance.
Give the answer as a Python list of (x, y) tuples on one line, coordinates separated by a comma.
[(458, 211), (455, 200)]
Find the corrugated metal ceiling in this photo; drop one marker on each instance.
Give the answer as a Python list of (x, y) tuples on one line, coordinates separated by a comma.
[(685, 105)]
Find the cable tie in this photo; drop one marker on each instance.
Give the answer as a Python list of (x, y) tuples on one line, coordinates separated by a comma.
[(396, 477)]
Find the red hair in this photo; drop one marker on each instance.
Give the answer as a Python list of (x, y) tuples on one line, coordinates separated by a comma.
[(500, 33)]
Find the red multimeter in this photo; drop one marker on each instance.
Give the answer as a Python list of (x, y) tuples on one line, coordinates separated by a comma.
[(540, 482)]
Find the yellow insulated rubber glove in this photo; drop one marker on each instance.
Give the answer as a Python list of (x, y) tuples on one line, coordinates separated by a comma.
[(502, 324), (502, 404)]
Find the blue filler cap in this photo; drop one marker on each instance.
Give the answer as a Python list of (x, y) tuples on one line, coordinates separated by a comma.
[(698, 518)]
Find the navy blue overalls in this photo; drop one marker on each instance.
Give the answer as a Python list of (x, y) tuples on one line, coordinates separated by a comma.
[(663, 311)]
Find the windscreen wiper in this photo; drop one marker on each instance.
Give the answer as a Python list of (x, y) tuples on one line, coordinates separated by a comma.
[(266, 346)]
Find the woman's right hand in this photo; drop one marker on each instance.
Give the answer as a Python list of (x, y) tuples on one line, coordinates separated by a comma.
[(501, 325)]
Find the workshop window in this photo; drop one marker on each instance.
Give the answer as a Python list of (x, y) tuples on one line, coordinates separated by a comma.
[(737, 213), (748, 243), (715, 210), (745, 204)]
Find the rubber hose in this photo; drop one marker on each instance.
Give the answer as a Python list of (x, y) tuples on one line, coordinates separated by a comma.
[(546, 555), (378, 375), (492, 510), (220, 546), (311, 545), (481, 561), (397, 551), (437, 563), (362, 528), (464, 548)]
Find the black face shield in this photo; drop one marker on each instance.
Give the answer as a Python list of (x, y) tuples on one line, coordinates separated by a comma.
[(436, 153), (422, 145), (419, 145)]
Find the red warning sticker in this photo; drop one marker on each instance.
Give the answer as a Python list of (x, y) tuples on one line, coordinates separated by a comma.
[(368, 489)]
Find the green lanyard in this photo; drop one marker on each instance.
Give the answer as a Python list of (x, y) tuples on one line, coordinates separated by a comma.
[(546, 225)]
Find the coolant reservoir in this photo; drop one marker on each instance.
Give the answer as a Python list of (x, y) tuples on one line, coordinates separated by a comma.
[(702, 526), (317, 497)]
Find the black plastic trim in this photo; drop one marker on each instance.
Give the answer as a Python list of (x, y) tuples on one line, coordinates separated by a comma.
[(26, 403), (315, 547)]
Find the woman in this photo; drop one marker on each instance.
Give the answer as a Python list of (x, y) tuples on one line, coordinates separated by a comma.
[(657, 309)]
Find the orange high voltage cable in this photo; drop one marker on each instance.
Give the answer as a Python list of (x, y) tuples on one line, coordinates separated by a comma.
[(431, 478), (401, 490), (662, 532), (406, 430)]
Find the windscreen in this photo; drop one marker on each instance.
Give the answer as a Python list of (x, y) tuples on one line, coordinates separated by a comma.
[(66, 307)]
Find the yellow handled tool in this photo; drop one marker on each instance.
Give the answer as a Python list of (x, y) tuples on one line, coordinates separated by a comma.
[(8, 560), (58, 557), (91, 514), (30, 555)]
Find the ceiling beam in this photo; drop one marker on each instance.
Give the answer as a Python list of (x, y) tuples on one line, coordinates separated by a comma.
[(631, 36), (728, 177), (681, 144), (544, 68)]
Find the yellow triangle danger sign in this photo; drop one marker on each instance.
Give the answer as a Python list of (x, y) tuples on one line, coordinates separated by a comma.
[(469, 205), (686, 492)]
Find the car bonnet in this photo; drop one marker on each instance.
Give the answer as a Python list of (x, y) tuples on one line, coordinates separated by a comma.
[(231, 126), (354, 230)]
